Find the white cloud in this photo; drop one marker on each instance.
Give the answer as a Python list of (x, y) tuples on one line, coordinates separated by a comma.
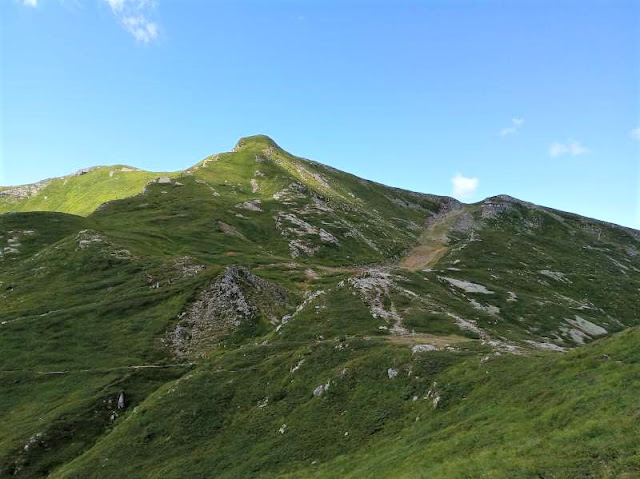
[(116, 5), (510, 130), (142, 29), (516, 124), (463, 187), (635, 134), (570, 147), (133, 15)]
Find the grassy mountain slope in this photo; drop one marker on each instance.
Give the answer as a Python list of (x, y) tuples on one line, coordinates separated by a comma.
[(80, 193), (263, 315), (248, 413)]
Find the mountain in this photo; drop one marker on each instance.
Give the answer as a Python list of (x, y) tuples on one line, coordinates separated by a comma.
[(263, 315)]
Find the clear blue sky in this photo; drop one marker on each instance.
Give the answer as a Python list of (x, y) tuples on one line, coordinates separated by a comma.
[(536, 99)]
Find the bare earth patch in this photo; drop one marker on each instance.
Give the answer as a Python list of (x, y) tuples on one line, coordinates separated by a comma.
[(439, 342)]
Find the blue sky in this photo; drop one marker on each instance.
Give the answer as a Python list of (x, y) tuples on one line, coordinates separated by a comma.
[(536, 99)]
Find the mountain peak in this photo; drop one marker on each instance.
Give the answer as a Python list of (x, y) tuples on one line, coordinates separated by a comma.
[(260, 141)]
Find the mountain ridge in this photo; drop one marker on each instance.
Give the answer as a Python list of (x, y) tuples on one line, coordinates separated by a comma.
[(260, 315), (30, 189)]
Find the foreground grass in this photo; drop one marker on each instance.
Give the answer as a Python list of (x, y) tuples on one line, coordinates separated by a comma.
[(247, 414)]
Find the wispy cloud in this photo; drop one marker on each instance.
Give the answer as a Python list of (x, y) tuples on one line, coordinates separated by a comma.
[(142, 29), (570, 147), (133, 15), (516, 124), (463, 187), (635, 134)]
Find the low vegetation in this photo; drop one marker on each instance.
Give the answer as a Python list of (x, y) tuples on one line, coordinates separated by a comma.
[(262, 315)]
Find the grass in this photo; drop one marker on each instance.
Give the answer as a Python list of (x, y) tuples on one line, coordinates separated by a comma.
[(89, 295), (82, 194)]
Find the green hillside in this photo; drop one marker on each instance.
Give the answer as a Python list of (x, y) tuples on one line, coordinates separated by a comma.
[(263, 315), (80, 193)]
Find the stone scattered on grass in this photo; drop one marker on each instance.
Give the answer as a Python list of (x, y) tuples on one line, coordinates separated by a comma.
[(250, 205), (423, 348), (555, 275), (467, 286), (321, 389)]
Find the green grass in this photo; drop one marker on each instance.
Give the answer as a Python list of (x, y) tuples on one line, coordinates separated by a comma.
[(82, 194), (89, 294)]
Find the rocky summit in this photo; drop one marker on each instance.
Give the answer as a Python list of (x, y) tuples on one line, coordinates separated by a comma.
[(263, 315)]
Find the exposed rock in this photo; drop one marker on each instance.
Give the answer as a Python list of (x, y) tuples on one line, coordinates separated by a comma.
[(491, 208), (306, 175), (374, 285), (84, 171), (235, 297), (293, 192), (251, 205), (392, 373), (86, 238), (13, 241), (433, 395), (555, 275), (546, 346), (300, 233), (311, 274), (320, 390), (297, 366), (468, 325), (230, 230), (467, 286), (587, 326), (298, 247), (404, 203), (423, 348), (25, 191), (187, 267), (488, 308)]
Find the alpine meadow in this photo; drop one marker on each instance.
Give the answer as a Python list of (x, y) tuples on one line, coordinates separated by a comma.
[(263, 315)]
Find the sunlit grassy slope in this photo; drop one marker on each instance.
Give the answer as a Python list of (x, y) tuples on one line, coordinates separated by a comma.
[(328, 339), (78, 194)]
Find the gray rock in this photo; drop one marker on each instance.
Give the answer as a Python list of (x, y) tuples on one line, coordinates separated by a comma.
[(228, 302), (320, 390), (422, 348)]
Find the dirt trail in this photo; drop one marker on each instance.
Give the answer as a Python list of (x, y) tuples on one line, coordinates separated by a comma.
[(102, 370), (432, 244), (420, 338)]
